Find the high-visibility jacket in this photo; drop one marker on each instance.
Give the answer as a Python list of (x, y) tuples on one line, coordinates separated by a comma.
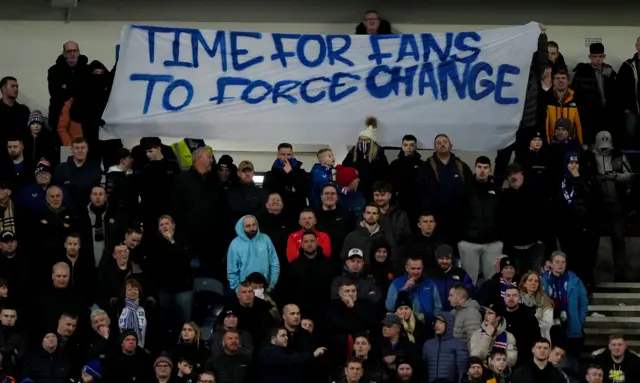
[(183, 152)]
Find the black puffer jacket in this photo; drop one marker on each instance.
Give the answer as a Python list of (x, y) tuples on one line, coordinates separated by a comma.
[(45, 367), (402, 174), (480, 217)]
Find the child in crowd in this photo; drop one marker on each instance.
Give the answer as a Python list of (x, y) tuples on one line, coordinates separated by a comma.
[(350, 197), (322, 173), (185, 371)]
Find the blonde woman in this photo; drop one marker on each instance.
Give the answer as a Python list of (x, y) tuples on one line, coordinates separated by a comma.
[(532, 295), (413, 325)]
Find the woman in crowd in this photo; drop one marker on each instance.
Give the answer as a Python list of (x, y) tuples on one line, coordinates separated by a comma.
[(190, 346), (368, 158), (532, 296), (414, 328), (134, 312)]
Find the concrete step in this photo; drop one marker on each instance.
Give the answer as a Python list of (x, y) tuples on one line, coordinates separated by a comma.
[(613, 322), (616, 310), (597, 343), (622, 287), (627, 298)]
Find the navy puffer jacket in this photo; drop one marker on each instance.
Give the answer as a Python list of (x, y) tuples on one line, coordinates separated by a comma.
[(446, 357)]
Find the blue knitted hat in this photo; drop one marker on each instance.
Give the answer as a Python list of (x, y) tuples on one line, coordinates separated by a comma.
[(94, 369)]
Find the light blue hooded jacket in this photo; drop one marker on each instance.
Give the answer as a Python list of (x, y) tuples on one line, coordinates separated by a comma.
[(246, 256)]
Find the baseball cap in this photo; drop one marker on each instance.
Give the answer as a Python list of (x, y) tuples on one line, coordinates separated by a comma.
[(7, 236), (495, 307), (355, 253), (229, 312), (391, 319), (244, 165)]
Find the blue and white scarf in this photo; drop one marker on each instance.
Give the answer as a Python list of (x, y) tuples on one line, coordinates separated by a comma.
[(567, 192), (133, 318), (501, 340)]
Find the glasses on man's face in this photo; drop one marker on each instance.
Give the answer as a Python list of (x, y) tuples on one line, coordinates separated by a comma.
[(162, 365), (205, 381), (72, 51), (371, 19)]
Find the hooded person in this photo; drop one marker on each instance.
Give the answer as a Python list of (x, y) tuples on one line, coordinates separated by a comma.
[(445, 355), (611, 175), (381, 267), (251, 251), (574, 219), (368, 158), (41, 142)]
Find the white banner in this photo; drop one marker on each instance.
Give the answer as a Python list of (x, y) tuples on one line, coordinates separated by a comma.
[(318, 89)]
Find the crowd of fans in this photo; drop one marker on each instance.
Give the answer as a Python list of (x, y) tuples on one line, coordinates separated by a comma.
[(418, 270)]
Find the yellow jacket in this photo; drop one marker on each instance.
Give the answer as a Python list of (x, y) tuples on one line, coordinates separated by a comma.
[(567, 108)]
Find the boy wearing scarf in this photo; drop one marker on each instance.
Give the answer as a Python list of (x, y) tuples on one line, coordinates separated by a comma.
[(570, 301)]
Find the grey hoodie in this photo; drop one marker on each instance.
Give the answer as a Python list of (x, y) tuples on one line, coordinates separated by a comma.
[(603, 153), (468, 320)]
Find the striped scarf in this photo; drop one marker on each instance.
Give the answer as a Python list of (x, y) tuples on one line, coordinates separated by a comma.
[(7, 220), (500, 341), (131, 319)]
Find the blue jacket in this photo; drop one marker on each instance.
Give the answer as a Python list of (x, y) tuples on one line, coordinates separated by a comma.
[(246, 256), (424, 296), (577, 303), (321, 175), (445, 280), (447, 357)]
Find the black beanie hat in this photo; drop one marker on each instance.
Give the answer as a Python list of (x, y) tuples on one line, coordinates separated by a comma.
[(403, 300), (126, 333)]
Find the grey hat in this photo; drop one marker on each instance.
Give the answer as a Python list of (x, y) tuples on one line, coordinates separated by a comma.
[(391, 319)]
